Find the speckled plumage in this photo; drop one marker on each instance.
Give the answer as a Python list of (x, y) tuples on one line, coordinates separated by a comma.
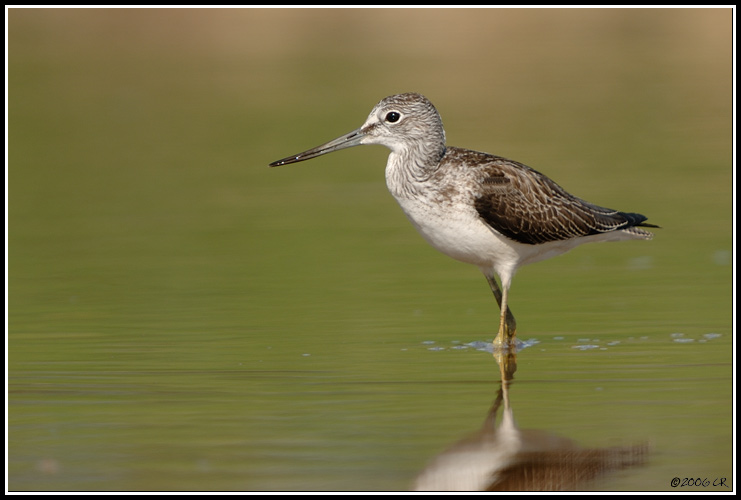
[(478, 208)]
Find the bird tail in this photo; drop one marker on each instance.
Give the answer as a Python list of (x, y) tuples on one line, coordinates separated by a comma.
[(634, 219), (635, 222)]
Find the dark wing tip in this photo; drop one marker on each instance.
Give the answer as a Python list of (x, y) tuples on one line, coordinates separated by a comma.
[(639, 220)]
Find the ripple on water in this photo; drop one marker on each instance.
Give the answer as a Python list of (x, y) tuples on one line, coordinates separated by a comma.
[(583, 344)]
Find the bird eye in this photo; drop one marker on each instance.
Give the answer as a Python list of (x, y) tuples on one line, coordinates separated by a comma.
[(393, 117)]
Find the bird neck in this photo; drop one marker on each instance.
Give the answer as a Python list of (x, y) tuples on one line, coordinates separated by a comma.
[(409, 167), (421, 158)]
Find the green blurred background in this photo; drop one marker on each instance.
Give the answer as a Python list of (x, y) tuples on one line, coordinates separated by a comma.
[(182, 317)]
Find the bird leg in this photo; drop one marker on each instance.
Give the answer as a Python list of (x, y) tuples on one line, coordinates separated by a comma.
[(507, 324)]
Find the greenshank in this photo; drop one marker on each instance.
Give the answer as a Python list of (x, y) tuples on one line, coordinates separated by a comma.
[(494, 213)]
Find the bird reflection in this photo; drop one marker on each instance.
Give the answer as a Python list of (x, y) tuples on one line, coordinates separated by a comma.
[(505, 458)]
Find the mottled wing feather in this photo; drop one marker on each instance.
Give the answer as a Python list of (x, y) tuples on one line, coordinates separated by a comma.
[(528, 207)]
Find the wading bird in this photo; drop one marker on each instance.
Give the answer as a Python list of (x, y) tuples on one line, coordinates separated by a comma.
[(494, 213)]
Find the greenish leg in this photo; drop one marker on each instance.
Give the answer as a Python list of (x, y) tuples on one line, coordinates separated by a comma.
[(507, 324)]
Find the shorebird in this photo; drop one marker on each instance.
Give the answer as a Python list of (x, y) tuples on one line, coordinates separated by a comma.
[(478, 208)]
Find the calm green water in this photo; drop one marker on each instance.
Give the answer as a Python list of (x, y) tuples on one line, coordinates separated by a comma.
[(181, 317)]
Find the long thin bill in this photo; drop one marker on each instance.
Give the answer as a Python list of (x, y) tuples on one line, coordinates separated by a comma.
[(346, 141)]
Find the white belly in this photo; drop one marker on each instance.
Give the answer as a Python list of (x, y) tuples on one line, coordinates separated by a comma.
[(450, 223), (459, 232)]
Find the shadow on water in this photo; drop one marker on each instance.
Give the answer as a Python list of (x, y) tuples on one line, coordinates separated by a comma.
[(503, 457)]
